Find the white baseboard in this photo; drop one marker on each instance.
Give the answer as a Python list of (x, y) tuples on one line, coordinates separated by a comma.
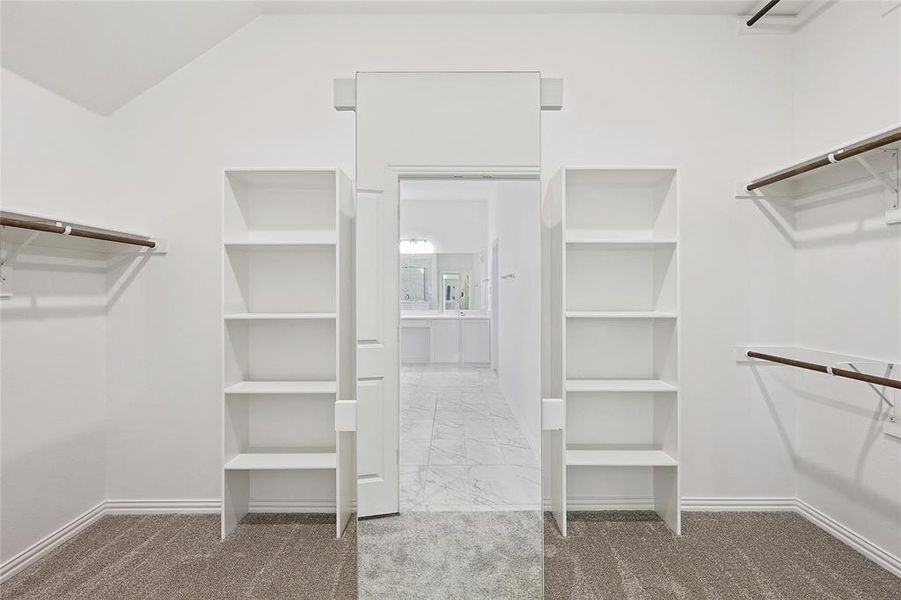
[(152, 507), (292, 506), (592, 503), (877, 554), (689, 504), (751, 504), (48, 543)]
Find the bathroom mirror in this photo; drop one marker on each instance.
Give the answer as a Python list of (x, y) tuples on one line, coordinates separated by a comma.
[(453, 293), (444, 281), (416, 285)]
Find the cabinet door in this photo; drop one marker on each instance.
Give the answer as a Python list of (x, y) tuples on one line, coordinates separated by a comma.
[(476, 341), (415, 347), (445, 341)]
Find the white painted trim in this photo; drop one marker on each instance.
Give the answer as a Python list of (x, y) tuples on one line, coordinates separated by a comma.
[(318, 505), (50, 542), (153, 507), (752, 504), (592, 503), (874, 552)]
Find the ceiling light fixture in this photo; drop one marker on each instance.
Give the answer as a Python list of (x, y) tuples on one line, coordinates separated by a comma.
[(414, 246)]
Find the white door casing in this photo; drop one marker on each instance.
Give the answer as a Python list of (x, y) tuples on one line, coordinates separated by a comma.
[(489, 126)]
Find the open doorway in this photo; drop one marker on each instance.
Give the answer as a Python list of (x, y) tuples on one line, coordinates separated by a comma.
[(469, 325)]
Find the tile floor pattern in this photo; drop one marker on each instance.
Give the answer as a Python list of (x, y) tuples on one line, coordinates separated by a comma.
[(461, 448)]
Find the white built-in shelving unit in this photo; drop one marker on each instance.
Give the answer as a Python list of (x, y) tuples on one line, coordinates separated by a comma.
[(288, 343), (612, 309)]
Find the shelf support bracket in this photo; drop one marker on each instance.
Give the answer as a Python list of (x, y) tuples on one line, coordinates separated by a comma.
[(7, 262), (892, 188), (884, 180), (890, 426)]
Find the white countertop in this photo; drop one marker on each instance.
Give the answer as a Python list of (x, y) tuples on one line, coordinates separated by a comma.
[(437, 314)]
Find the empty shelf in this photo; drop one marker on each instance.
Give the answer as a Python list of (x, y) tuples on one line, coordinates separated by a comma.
[(270, 459), (278, 316), (619, 385), (619, 314), (618, 456), (304, 238), (604, 238), (282, 387)]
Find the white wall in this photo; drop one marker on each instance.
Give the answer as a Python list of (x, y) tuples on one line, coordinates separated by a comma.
[(516, 225), (640, 89), (848, 286), (53, 341), (453, 226)]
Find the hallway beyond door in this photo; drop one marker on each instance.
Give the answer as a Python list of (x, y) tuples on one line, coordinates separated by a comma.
[(462, 448)]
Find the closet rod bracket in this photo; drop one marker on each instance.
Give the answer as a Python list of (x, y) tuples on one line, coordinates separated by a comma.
[(882, 385), (7, 262)]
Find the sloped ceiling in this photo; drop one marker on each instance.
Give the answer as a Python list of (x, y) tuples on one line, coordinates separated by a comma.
[(102, 54)]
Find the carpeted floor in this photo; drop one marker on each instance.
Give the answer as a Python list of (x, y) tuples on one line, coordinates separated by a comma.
[(451, 556), (180, 557), (719, 556), (607, 556)]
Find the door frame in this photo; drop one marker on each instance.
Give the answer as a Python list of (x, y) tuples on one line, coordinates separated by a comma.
[(394, 176), (493, 296)]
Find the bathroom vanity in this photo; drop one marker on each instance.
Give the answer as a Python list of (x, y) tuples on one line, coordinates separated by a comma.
[(445, 337)]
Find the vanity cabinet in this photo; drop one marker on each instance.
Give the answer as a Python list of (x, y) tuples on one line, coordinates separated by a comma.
[(445, 339), (476, 340), (415, 342)]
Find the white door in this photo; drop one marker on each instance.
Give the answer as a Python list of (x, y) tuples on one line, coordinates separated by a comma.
[(378, 308)]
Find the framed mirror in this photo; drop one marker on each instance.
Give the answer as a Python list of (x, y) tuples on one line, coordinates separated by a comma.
[(452, 294)]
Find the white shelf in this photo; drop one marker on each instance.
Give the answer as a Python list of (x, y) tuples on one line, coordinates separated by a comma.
[(607, 238), (279, 316), (620, 314), (619, 385), (288, 343), (300, 238), (273, 459), (624, 456), (613, 237), (283, 387)]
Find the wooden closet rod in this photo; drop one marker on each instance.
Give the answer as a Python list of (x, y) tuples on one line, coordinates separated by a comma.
[(866, 145), (64, 229), (874, 379), (761, 12)]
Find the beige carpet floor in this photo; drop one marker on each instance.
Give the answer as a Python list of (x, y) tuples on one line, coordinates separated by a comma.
[(180, 557), (607, 556), (719, 556)]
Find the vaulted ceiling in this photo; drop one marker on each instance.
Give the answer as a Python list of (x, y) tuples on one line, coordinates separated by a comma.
[(103, 54)]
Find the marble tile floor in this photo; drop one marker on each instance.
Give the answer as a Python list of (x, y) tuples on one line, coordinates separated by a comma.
[(461, 447)]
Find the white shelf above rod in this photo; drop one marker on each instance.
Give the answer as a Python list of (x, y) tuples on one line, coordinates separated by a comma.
[(879, 155)]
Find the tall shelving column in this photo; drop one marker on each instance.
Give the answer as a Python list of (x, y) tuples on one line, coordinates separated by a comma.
[(288, 344), (616, 304)]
